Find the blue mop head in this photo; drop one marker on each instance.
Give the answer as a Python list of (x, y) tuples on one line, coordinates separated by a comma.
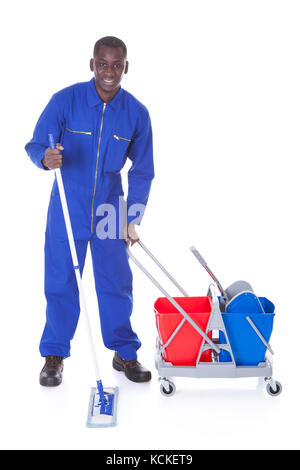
[(102, 410)]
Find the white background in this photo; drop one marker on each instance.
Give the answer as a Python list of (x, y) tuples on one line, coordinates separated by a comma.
[(221, 82)]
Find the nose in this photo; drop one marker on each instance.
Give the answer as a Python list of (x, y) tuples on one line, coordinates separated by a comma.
[(109, 71)]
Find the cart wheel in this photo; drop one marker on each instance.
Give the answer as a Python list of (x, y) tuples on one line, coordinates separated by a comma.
[(276, 392), (170, 392)]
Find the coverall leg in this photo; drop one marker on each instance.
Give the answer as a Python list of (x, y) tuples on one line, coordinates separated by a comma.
[(62, 295), (113, 281)]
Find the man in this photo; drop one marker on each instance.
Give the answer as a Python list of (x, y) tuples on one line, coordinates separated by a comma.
[(96, 125)]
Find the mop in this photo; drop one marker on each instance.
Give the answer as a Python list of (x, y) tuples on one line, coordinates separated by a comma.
[(103, 401)]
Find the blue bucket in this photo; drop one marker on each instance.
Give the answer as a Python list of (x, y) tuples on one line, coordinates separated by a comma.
[(247, 348)]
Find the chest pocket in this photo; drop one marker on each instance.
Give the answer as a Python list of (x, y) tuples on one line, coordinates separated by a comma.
[(78, 132), (77, 142), (118, 148)]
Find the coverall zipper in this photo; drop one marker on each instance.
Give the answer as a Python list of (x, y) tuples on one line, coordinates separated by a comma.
[(97, 161), (79, 132), (121, 138)]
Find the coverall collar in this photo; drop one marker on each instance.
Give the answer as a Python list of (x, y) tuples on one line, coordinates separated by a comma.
[(94, 99)]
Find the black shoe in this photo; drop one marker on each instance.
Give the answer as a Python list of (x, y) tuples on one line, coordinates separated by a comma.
[(134, 371), (51, 373)]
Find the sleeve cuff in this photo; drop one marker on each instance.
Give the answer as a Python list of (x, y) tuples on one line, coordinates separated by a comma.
[(135, 213)]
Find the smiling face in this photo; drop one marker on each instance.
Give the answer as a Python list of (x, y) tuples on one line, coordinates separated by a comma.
[(109, 65)]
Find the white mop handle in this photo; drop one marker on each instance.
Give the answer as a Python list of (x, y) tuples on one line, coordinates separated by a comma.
[(63, 200), (83, 307)]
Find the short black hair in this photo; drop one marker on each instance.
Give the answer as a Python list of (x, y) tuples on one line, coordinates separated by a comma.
[(110, 41)]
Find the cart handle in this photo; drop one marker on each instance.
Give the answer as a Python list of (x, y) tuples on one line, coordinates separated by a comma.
[(165, 293), (162, 268)]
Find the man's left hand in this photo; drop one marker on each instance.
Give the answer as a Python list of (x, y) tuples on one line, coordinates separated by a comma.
[(129, 233)]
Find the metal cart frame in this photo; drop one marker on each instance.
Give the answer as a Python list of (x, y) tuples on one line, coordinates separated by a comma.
[(213, 369)]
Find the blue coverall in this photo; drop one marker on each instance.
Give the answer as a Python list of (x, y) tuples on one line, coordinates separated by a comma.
[(97, 138)]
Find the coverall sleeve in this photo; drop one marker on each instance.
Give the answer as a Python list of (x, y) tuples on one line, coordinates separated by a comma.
[(141, 172), (50, 121)]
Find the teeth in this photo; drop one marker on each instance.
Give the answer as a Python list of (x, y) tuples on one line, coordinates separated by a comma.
[(108, 81)]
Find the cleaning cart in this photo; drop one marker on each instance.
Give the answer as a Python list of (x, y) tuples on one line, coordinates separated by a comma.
[(212, 336)]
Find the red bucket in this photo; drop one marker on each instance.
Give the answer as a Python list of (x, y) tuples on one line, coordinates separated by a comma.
[(184, 348)]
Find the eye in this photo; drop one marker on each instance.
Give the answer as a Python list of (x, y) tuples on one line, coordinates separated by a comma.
[(117, 66)]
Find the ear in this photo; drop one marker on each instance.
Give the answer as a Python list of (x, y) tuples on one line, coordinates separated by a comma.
[(92, 65), (126, 67)]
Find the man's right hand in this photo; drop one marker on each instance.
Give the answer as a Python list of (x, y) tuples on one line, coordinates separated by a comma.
[(53, 157)]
